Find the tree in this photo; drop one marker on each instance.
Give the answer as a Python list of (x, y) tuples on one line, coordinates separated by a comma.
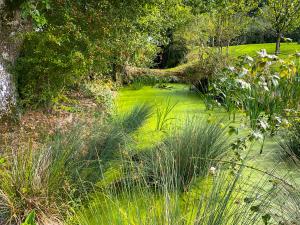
[(75, 40), (223, 21), (284, 16)]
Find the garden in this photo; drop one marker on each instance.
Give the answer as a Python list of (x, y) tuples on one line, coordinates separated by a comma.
[(162, 112)]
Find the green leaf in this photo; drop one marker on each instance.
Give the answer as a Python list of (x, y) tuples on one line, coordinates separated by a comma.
[(248, 200), (266, 218), (30, 220), (233, 130), (255, 208)]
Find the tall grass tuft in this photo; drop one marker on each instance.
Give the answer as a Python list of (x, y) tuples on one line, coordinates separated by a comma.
[(290, 142), (136, 117), (39, 179), (219, 199), (45, 180), (163, 115), (186, 152)]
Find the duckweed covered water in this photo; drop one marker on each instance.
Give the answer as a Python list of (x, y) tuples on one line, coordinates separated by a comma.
[(189, 104)]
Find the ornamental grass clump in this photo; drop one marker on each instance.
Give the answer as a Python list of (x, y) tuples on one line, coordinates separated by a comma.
[(290, 142), (187, 152), (52, 179), (221, 198)]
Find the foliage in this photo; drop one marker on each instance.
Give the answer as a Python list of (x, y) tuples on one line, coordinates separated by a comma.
[(221, 23), (50, 62), (137, 84), (187, 152), (209, 64), (218, 199), (30, 220), (261, 87), (283, 17), (163, 115), (78, 39), (102, 91), (290, 142), (46, 179), (174, 53)]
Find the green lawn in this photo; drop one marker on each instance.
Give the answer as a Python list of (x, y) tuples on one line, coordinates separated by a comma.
[(252, 49), (286, 49)]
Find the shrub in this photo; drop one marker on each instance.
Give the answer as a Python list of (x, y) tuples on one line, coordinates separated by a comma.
[(209, 65), (261, 87), (103, 92), (49, 62)]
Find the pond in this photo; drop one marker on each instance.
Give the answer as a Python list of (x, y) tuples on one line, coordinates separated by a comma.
[(190, 104)]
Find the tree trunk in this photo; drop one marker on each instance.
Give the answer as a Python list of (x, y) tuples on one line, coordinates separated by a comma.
[(227, 49), (118, 73), (10, 23), (277, 51)]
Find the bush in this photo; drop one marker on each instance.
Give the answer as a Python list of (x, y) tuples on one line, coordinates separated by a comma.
[(210, 64), (103, 92), (261, 87), (49, 62)]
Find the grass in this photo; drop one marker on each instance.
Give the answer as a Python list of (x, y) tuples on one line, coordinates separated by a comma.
[(186, 152), (121, 170), (249, 49), (219, 199), (46, 180), (163, 115), (290, 142)]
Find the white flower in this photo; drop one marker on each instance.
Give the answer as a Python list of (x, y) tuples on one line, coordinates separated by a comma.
[(231, 68), (212, 170), (244, 72), (272, 56), (249, 58), (257, 135), (243, 84), (262, 53)]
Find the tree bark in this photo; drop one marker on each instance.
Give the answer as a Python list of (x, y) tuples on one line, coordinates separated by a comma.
[(10, 24), (277, 51)]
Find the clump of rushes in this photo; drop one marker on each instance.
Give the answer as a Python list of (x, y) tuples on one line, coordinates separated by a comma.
[(187, 152), (163, 115), (218, 199), (44, 180), (291, 140)]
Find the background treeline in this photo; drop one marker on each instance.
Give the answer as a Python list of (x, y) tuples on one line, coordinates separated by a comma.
[(74, 41)]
